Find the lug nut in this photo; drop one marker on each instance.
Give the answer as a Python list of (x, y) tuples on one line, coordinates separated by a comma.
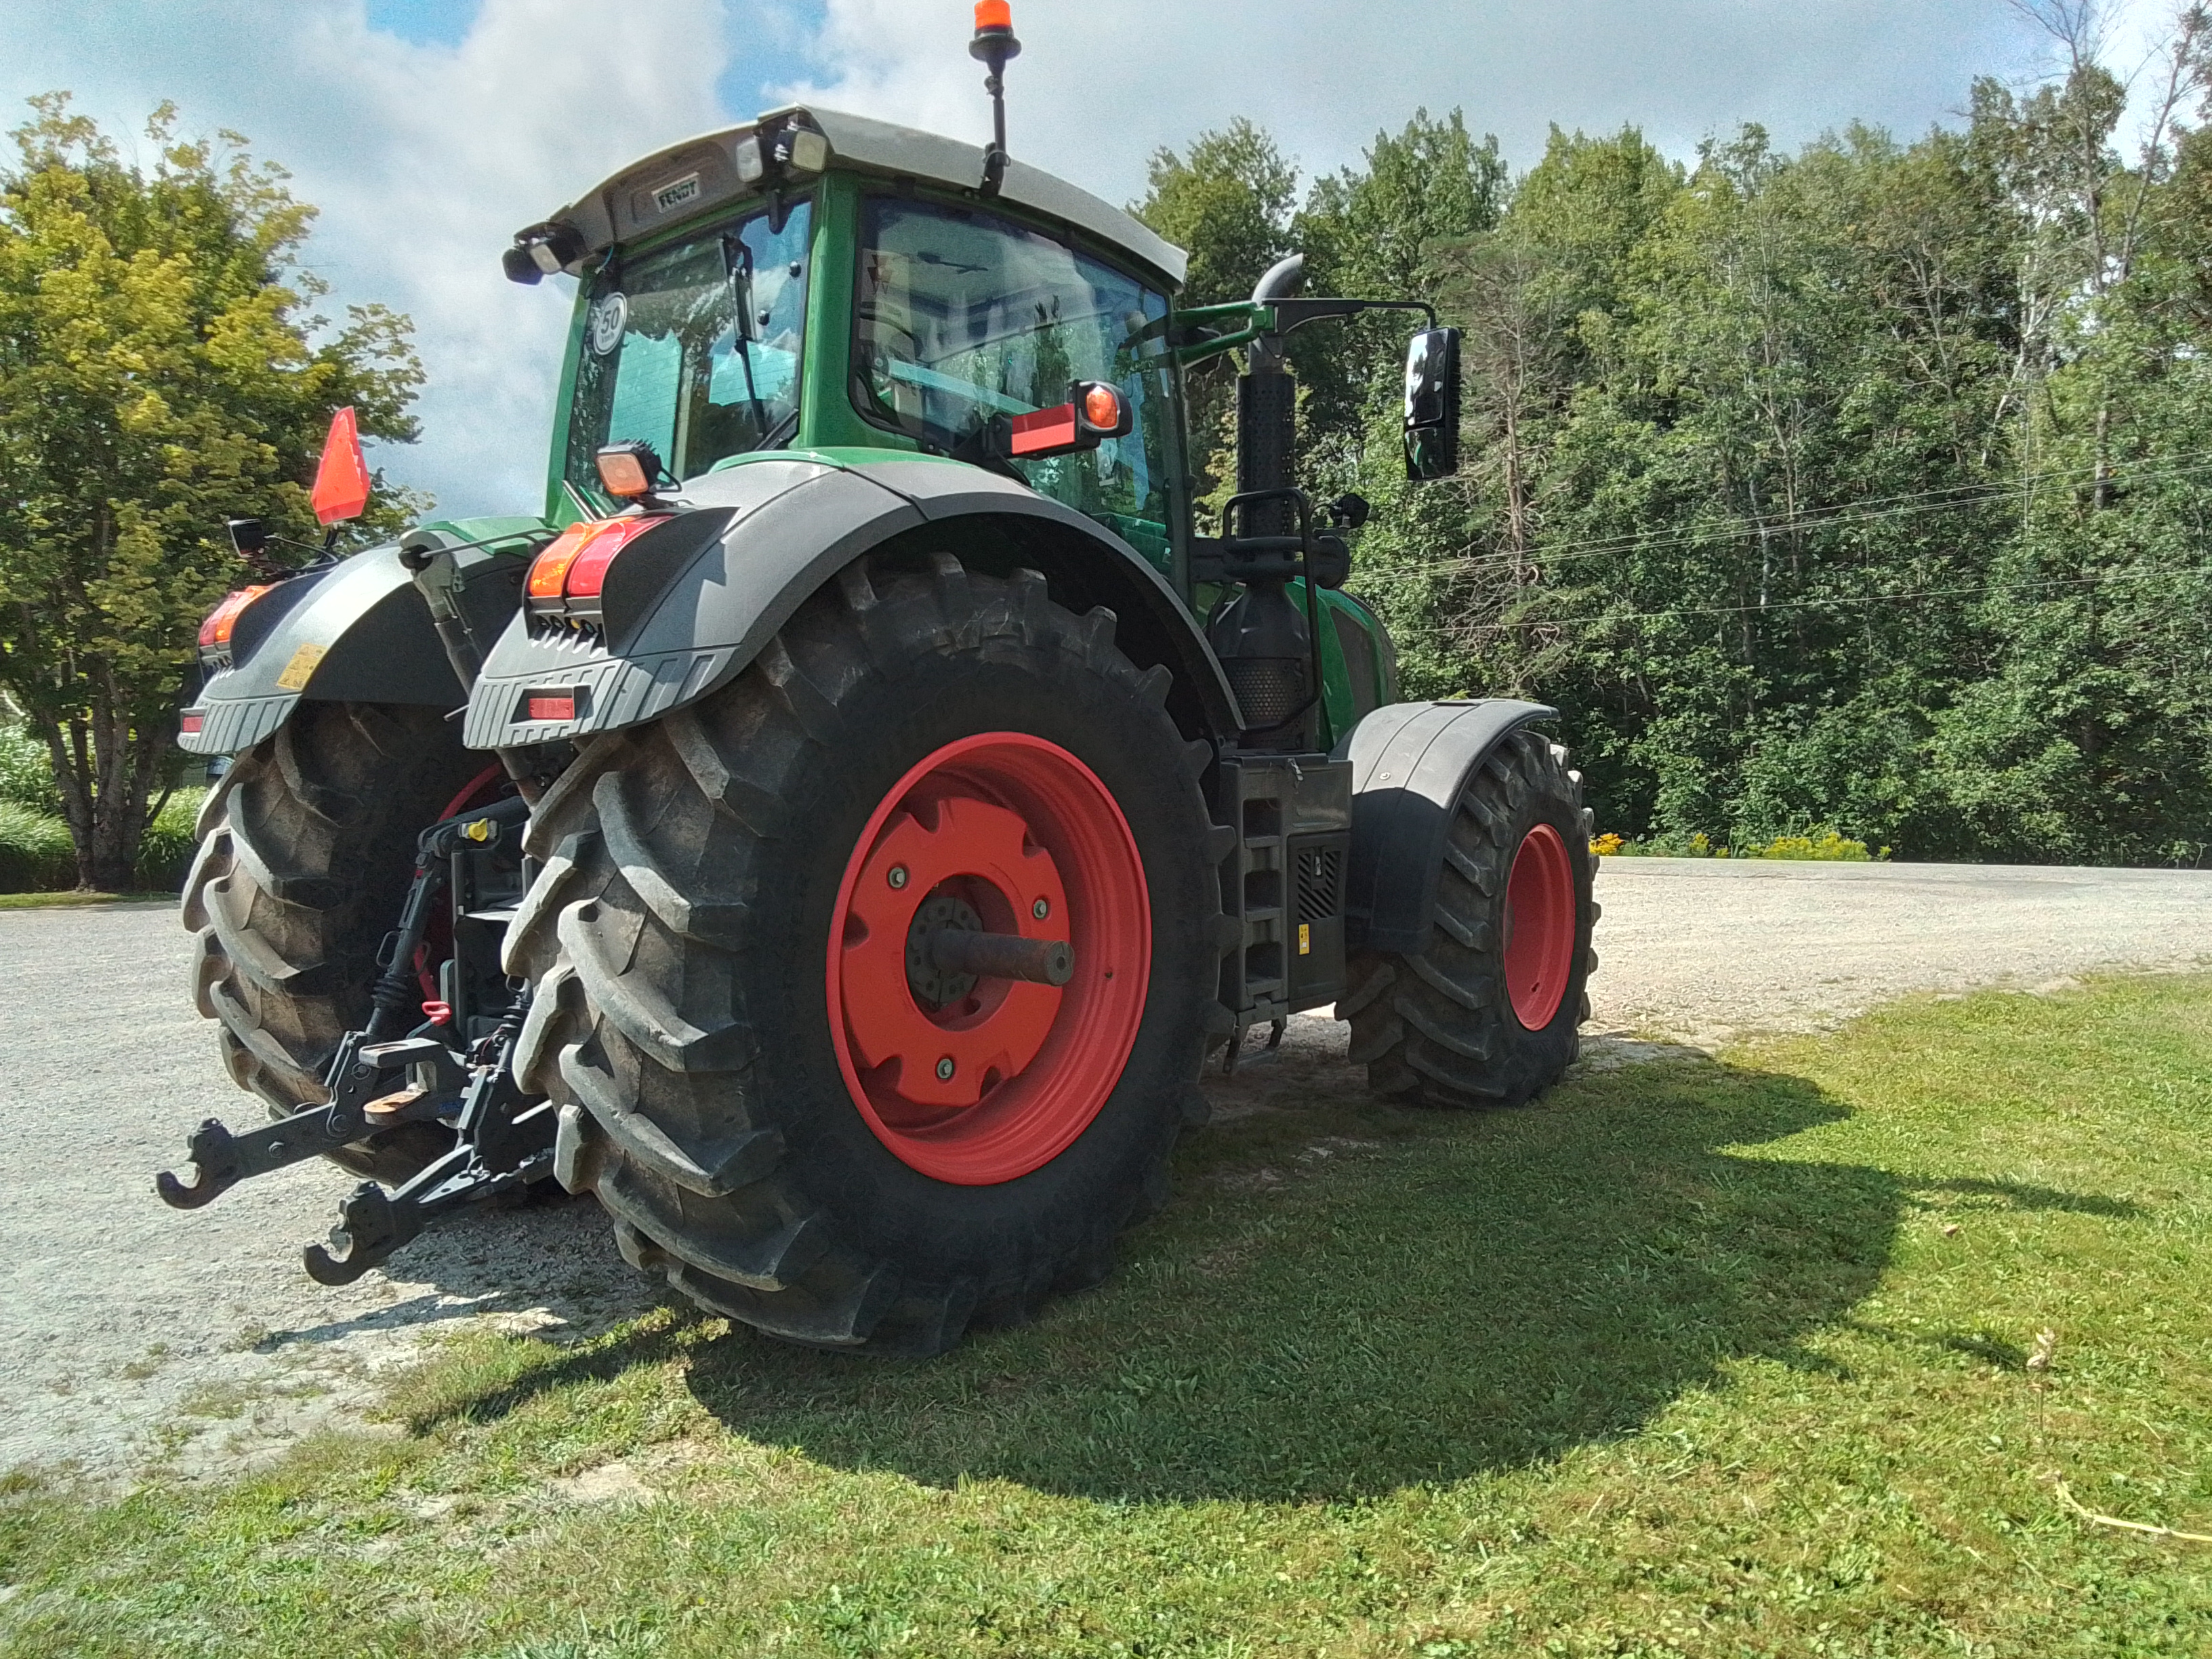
[(944, 1069), (898, 877), (1041, 908)]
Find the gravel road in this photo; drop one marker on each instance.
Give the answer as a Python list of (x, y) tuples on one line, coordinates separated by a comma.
[(131, 1333)]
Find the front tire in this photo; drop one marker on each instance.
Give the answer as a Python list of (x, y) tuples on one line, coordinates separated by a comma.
[(1489, 1015), (749, 1075)]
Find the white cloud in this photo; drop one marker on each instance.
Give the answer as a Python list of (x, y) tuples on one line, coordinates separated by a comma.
[(1099, 87), (425, 158)]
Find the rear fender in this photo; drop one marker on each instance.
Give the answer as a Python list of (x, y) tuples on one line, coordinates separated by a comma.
[(1410, 761), (687, 607), (358, 631)]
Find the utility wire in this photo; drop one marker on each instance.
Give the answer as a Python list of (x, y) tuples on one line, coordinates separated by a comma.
[(1819, 518), (1601, 618)]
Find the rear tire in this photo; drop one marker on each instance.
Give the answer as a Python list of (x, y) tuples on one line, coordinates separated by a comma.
[(1472, 1020), (680, 939), (306, 850)]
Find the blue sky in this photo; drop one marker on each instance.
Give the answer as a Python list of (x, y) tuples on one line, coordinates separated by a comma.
[(427, 130)]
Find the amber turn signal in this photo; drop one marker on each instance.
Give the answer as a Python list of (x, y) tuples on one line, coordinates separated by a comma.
[(575, 563), (1102, 408), (215, 630)]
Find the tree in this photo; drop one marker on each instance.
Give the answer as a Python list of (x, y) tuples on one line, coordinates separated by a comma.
[(159, 373)]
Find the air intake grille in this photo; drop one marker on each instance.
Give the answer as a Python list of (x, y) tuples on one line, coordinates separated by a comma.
[(1269, 689), (1321, 883)]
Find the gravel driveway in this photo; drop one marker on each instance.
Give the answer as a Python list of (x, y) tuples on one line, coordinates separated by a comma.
[(131, 1333)]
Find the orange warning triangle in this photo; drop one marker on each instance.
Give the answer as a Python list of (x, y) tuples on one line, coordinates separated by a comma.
[(342, 480)]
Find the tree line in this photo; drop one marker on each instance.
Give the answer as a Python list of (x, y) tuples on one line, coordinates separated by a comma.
[(1863, 487)]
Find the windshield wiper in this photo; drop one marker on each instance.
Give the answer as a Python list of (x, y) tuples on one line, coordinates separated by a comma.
[(737, 259)]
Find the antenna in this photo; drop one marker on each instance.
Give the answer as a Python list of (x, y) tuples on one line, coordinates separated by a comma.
[(993, 45)]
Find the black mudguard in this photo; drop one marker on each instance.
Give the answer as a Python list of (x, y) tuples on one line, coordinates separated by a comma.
[(1409, 762), (689, 605), (358, 629)]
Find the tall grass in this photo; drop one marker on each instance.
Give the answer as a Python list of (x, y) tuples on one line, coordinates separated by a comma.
[(36, 855)]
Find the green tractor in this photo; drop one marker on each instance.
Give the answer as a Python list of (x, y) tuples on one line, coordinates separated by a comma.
[(837, 833)]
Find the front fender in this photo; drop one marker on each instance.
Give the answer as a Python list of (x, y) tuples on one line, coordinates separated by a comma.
[(1409, 762), (759, 540), (355, 631)]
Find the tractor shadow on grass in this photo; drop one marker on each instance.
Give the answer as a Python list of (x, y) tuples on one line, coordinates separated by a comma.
[(1342, 1300)]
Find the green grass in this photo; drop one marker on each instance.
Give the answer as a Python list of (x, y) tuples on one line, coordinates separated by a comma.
[(1693, 1359), (69, 899)]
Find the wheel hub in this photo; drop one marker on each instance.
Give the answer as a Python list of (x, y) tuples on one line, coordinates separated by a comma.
[(933, 987), (962, 857), (978, 1068)]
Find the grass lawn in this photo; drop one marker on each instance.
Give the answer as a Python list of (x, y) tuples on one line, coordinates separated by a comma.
[(1692, 1358), (69, 899)]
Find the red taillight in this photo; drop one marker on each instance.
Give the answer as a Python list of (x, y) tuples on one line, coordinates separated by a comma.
[(550, 706), (215, 630), (191, 723), (575, 564)]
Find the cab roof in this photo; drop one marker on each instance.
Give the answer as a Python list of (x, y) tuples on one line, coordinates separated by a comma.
[(686, 179)]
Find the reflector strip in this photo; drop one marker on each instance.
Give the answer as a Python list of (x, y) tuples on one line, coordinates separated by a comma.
[(550, 706), (1047, 430), (191, 723)]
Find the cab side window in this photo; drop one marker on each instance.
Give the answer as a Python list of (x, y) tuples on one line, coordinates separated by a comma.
[(965, 315)]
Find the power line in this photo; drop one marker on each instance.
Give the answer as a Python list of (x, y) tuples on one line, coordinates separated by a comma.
[(1743, 526), (1799, 604)]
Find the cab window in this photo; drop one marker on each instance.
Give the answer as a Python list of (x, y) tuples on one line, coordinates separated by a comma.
[(664, 360), (965, 315)]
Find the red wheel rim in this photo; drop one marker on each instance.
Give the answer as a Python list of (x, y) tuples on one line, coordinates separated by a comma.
[(991, 1087), (1539, 927)]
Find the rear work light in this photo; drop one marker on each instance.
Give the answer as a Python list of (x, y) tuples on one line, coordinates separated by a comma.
[(216, 630), (574, 565)]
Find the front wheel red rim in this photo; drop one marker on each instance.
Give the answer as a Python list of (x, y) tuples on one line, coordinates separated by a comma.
[(999, 1081), (1539, 927)]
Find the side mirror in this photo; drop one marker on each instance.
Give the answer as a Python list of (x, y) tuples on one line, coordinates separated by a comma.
[(341, 478), (1432, 404)]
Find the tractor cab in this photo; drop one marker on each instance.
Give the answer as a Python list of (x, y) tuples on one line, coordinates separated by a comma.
[(818, 283)]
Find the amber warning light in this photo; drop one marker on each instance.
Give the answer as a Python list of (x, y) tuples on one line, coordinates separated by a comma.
[(1095, 411), (216, 630), (574, 564)]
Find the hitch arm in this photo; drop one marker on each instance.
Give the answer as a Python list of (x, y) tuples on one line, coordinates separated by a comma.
[(221, 1160)]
